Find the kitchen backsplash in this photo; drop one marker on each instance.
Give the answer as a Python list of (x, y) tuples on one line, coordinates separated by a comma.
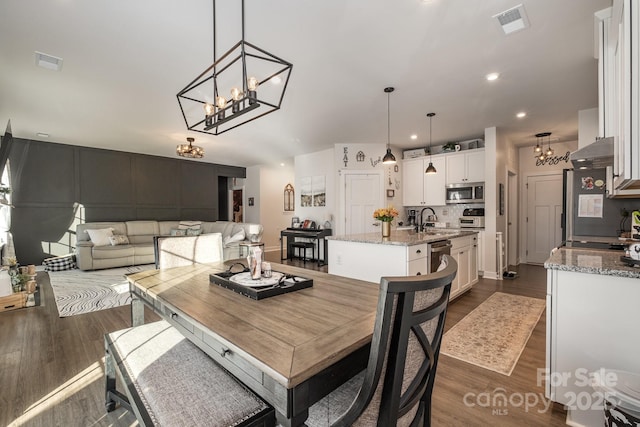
[(449, 213)]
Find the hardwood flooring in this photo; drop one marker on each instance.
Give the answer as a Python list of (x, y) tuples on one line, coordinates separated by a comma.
[(51, 368)]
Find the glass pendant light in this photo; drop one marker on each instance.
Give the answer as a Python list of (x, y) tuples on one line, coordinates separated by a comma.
[(538, 148), (388, 158), (430, 169), (549, 151)]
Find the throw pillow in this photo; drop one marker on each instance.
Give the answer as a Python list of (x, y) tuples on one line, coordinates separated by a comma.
[(190, 224), (193, 231), (119, 239), (235, 238), (100, 236), (60, 263), (177, 232)]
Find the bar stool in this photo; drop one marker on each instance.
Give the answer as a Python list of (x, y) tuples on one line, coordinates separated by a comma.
[(304, 246)]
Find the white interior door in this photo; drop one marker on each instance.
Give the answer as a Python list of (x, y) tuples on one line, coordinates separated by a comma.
[(544, 207), (363, 195), (512, 219)]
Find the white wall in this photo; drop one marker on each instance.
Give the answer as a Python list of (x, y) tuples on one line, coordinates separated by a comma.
[(320, 163), (266, 184)]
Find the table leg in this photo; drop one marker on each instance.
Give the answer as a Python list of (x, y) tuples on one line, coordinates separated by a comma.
[(281, 253), (137, 311), (297, 420)]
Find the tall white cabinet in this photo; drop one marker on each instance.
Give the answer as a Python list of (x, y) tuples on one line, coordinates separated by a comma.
[(618, 88), (420, 189)]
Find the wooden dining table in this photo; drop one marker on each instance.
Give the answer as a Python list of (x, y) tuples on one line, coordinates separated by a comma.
[(291, 349)]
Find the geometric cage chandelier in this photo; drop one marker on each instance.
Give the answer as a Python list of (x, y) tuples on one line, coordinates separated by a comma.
[(243, 84)]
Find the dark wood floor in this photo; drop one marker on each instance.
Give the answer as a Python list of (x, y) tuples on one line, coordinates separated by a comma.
[(51, 368)]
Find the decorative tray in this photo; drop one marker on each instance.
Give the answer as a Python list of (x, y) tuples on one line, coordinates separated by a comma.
[(278, 284)]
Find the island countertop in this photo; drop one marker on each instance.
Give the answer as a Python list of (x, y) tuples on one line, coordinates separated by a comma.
[(604, 262), (404, 237)]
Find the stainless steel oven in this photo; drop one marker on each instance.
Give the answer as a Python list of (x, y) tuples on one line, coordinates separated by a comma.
[(468, 192), (436, 250)]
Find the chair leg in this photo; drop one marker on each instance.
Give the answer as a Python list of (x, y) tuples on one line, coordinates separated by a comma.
[(110, 381)]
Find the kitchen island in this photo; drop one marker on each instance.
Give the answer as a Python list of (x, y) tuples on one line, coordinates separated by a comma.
[(369, 256), (593, 302)]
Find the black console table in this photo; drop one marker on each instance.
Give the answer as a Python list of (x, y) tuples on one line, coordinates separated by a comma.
[(290, 234)]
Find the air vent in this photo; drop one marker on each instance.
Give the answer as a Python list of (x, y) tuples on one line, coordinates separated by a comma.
[(49, 62), (512, 20)]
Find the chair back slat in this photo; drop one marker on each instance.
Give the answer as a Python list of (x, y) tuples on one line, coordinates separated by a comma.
[(405, 346)]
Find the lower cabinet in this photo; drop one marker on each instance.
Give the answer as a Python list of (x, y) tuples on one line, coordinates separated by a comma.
[(418, 262), (465, 251)]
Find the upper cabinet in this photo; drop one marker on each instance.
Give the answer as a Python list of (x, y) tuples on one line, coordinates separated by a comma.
[(465, 166), (420, 189), (619, 88)]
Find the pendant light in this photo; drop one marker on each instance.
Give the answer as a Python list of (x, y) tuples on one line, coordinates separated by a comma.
[(549, 151), (430, 169), (538, 148), (388, 158)]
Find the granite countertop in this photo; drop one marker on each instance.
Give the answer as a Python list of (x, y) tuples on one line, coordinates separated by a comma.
[(591, 261), (404, 237)]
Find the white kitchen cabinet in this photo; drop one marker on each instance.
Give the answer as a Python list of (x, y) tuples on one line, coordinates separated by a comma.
[(480, 258), (418, 262), (591, 323), (465, 166), (618, 89), (464, 251), (420, 189), (371, 261)]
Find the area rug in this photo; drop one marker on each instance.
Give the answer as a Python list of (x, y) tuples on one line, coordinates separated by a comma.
[(494, 334), (79, 292)]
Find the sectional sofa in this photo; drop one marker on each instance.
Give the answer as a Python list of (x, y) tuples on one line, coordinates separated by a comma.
[(137, 247)]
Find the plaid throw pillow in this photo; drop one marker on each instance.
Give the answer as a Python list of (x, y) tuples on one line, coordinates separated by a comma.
[(60, 263)]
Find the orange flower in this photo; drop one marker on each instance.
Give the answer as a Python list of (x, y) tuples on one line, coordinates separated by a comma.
[(385, 214)]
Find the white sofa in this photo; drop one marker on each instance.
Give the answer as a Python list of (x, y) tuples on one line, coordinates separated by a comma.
[(140, 235)]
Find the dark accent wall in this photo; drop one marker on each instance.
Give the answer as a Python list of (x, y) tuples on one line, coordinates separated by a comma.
[(49, 181)]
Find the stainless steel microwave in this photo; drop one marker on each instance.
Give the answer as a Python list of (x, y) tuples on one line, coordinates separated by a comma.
[(468, 192)]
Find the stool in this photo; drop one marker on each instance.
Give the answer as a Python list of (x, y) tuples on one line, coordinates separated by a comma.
[(169, 381), (304, 246)]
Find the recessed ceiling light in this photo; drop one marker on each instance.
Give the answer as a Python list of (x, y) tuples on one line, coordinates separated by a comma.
[(521, 114), (42, 135), (281, 164), (276, 80), (49, 62), (414, 136), (493, 76)]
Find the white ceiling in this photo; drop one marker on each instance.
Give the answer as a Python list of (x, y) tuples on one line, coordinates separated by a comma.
[(125, 61)]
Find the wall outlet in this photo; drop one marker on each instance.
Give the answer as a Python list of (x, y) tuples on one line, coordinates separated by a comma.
[(339, 259)]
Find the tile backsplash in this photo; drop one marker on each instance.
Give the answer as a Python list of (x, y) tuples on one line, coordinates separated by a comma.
[(448, 213)]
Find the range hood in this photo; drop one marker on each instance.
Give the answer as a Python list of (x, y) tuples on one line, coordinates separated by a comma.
[(596, 155)]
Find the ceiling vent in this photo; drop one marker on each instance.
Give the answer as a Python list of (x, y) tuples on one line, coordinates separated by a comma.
[(48, 61), (512, 20)]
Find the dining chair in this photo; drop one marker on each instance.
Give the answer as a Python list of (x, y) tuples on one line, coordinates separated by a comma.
[(179, 251), (395, 389)]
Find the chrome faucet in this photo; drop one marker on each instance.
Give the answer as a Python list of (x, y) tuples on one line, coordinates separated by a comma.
[(421, 224)]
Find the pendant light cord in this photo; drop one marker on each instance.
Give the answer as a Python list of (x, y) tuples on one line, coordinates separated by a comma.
[(388, 120)]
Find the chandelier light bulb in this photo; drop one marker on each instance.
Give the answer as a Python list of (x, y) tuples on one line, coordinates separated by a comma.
[(537, 149), (236, 94), (541, 157), (549, 152), (208, 109), (221, 102), (252, 83)]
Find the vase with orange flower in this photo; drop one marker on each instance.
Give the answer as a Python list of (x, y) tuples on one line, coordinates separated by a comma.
[(385, 215)]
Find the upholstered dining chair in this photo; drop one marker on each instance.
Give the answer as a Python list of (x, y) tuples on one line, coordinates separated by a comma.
[(395, 388), (178, 251)]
